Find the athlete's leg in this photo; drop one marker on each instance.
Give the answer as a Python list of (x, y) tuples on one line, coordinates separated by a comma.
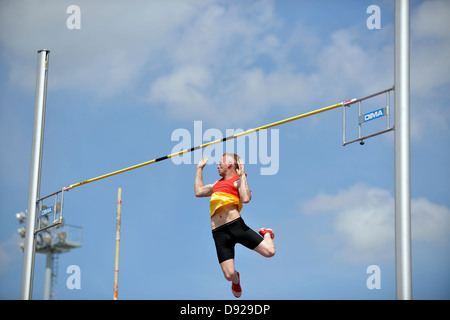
[(229, 271), (225, 242), (232, 275), (252, 240), (225, 252), (267, 247)]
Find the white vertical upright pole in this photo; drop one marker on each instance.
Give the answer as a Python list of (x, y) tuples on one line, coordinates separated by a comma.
[(35, 174), (402, 153)]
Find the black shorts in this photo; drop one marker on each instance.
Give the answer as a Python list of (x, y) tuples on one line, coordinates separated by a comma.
[(226, 236)]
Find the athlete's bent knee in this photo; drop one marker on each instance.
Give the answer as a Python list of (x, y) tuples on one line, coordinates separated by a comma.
[(229, 276), (269, 253)]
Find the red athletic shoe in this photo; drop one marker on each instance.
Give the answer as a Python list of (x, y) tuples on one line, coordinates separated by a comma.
[(236, 288), (263, 231)]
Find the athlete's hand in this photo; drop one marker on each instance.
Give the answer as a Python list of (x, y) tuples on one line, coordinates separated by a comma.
[(202, 162), (240, 169)]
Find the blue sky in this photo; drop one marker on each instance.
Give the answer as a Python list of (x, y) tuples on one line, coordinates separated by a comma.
[(136, 74)]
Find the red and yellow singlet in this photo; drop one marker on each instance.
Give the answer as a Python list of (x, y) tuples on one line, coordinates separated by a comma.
[(225, 193)]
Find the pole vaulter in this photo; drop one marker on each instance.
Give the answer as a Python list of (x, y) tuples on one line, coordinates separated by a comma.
[(267, 126)]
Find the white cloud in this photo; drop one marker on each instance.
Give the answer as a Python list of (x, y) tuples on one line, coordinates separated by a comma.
[(202, 58), (254, 64), (211, 72), (183, 91), (363, 217), (431, 19), (431, 222), (430, 67), (227, 44), (107, 55), (345, 67)]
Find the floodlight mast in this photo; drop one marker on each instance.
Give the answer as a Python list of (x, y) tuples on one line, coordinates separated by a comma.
[(35, 174)]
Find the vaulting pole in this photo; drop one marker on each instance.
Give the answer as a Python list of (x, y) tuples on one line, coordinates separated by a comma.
[(116, 263), (402, 153), (35, 174)]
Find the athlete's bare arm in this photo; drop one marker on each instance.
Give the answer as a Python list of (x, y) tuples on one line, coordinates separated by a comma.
[(242, 185), (202, 190)]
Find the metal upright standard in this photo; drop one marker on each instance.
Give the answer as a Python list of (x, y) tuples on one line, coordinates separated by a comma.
[(35, 173), (402, 154)]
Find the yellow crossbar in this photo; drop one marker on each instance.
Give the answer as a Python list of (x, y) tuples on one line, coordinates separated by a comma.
[(270, 125)]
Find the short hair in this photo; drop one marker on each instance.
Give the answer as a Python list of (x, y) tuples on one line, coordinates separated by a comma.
[(235, 157)]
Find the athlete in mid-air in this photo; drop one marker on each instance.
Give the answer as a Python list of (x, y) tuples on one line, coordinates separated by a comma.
[(228, 228)]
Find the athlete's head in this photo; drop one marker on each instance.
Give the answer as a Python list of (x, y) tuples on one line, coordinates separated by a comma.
[(228, 163)]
